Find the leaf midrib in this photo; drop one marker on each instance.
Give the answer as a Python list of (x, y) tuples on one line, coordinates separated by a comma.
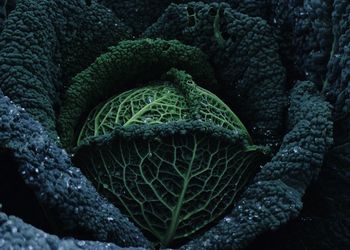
[(176, 212), (139, 113)]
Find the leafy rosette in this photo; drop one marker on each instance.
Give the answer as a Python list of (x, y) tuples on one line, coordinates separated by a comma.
[(170, 154), (45, 43)]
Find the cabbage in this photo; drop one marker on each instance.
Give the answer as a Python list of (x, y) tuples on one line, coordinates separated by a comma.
[(171, 155)]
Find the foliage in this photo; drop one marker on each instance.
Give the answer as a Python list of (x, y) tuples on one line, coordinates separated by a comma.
[(124, 66), (244, 54), (161, 103), (172, 155), (260, 52)]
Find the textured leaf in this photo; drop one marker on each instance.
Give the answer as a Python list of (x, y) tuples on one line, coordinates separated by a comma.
[(161, 103), (126, 66), (172, 181), (171, 185), (151, 105)]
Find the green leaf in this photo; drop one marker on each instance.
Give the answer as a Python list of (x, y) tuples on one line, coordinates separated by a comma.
[(154, 104), (171, 155), (171, 185), (161, 103)]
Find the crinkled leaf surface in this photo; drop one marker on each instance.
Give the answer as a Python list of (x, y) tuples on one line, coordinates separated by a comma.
[(172, 185), (152, 105), (176, 181), (157, 104)]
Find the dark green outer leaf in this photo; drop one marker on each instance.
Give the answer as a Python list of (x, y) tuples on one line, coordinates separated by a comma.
[(121, 68)]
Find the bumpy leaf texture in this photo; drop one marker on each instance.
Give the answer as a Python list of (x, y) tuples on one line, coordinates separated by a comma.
[(171, 184), (46, 42), (184, 167), (244, 56), (36, 52), (159, 103), (123, 67), (16, 234), (6, 6)]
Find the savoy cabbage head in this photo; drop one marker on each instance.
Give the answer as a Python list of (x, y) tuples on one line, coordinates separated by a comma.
[(170, 154), (45, 43)]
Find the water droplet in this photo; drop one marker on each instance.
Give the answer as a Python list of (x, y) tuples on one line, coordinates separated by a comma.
[(147, 120), (228, 219), (66, 180), (274, 20), (268, 132), (81, 243), (14, 230), (296, 149), (149, 99), (110, 219), (206, 243)]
